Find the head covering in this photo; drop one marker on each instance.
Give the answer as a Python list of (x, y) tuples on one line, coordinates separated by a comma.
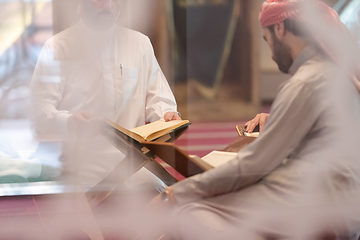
[(324, 25), (276, 11)]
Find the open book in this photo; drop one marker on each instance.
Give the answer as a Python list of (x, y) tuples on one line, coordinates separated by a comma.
[(217, 158), (126, 141), (153, 131)]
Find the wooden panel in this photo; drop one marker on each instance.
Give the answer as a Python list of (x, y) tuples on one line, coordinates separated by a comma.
[(64, 14), (175, 157)]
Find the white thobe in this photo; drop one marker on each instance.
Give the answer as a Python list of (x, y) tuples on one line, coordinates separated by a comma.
[(300, 176), (112, 74)]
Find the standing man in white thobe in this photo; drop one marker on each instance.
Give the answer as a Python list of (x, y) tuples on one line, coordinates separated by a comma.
[(301, 178), (92, 70)]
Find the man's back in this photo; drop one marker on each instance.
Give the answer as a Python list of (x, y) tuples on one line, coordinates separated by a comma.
[(301, 166), (327, 154)]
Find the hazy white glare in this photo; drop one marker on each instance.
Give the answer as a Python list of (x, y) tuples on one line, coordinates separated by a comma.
[(314, 209)]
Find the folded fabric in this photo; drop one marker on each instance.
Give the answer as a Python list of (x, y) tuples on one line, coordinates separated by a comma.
[(26, 168)]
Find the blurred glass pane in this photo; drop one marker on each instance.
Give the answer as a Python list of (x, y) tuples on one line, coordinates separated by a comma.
[(350, 16), (25, 25)]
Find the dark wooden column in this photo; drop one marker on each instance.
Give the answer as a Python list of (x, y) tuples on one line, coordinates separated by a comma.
[(238, 95)]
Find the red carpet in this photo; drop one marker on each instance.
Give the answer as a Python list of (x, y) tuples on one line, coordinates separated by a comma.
[(202, 138)]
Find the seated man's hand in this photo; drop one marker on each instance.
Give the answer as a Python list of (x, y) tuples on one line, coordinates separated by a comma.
[(169, 116), (260, 119), (164, 199)]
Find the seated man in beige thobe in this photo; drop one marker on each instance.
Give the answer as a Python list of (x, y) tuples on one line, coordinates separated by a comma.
[(300, 178)]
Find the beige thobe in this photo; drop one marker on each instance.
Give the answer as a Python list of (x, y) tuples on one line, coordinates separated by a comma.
[(300, 177)]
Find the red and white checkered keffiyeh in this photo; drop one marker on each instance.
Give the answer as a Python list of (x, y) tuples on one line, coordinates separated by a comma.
[(325, 26)]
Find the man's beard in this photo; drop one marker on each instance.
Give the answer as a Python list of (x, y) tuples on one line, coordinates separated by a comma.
[(282, 54), (102, 21), (105, 18)]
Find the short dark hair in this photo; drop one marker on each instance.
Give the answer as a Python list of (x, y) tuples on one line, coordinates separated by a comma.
[(295, 27), (298, 29)]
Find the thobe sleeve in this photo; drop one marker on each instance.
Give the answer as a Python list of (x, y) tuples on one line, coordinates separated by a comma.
[(47, 87), (159, 97), (291, 117)]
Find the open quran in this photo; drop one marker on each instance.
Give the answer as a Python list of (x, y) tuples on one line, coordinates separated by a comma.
[(157, 131)]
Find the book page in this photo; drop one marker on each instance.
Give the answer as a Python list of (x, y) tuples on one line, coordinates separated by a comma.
[(157, 126), (201, 163), (217, 158), (124, 130), (242, 131), (253, 134)]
